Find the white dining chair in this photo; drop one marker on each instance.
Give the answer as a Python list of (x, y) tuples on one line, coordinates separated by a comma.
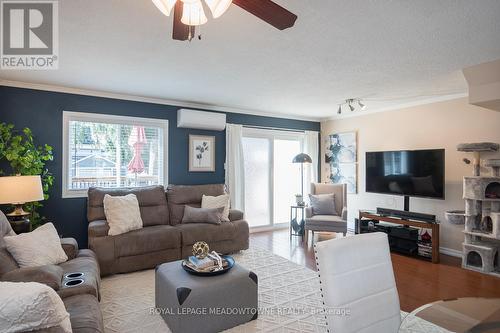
[(357, 284)]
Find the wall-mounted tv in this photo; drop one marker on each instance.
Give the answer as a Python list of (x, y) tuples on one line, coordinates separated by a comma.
[(413, 173)]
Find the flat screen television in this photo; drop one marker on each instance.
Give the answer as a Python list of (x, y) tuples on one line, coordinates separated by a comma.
[(411, 173)]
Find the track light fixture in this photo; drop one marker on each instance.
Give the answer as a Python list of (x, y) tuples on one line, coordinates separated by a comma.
[(350, 106), (350, 103)]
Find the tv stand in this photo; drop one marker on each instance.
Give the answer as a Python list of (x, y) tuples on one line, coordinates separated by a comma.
[(417, 224)]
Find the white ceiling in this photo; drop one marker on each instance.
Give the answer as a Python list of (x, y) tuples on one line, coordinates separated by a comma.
[(387, 52)]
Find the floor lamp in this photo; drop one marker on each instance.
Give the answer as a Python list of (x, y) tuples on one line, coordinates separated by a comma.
[(301, 158)]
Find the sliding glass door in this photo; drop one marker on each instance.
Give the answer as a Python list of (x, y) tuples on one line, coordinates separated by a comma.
[(271, 179), (258, 161)]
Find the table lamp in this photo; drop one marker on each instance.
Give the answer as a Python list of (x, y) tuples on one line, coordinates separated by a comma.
[(18, 190), (302, 158)]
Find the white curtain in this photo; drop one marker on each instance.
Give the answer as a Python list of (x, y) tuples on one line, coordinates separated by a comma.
[(235, 167), (311, 148)]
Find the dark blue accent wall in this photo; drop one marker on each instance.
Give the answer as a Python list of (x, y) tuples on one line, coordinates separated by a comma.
[(42, 112)]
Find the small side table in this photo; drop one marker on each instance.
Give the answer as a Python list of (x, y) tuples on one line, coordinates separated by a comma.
[(296, 225)]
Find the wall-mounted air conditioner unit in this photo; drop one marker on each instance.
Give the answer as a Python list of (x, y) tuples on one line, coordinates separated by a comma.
[(201, 120)]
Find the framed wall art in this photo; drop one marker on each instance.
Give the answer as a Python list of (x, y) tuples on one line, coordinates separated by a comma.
[(201, 153)]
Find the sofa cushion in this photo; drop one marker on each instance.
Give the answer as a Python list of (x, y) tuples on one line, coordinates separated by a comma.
[(37, 248), (122, 213), (322, 220), (146, 240), (216, 202), (181, 195), (202, 215), (85, 314), (323, 204), (152, 203), (194, 232), (25, 307)]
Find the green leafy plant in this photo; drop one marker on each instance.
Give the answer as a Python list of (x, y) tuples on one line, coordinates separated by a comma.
[(24, 157)]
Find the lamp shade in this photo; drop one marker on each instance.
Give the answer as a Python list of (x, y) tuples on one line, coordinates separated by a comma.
[(193, 13), (20, 189), (302, 158)]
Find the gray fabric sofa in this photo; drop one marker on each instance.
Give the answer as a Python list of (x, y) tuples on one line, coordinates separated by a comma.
[(163, 238), (81, 301)]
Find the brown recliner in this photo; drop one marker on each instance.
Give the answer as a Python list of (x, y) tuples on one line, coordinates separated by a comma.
[(81, 301), (163, 238)]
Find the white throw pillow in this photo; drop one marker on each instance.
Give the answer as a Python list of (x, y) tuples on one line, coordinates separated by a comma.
[(40, 247), (217, 202), (31, 306), (122, 213)]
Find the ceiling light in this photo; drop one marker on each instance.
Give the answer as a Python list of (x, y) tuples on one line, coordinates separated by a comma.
[(193, 13), (350, 103), (218, 7), (165, 6)]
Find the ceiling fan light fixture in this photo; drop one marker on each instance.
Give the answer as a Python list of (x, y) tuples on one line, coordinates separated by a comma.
[(218, 7), (193, 13), (361, 105), (351, 107), (165, 6)]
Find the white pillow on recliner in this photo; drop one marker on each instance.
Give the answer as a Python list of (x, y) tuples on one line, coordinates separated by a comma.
[(122, 213), (40, 247)]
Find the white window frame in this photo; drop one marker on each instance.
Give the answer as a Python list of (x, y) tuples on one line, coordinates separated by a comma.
[(69, 116)]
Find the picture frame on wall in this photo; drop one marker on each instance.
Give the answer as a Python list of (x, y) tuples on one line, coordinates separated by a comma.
[(342, 148), (341, 157), (201, 153)]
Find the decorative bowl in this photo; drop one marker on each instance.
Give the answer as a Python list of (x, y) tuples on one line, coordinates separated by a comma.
[(230, 264)]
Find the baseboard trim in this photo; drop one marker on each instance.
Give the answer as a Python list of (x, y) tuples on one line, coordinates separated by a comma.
[(450, 252)]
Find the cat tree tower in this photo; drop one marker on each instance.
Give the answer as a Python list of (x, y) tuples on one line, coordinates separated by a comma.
[(482, 212)]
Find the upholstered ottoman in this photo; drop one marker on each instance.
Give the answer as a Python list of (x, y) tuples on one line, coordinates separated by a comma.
[(197, 304)]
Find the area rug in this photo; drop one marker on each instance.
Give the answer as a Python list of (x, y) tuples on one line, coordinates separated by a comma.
[(289, 299)]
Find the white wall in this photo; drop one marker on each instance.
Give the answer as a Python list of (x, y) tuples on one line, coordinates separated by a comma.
[(437, 125)]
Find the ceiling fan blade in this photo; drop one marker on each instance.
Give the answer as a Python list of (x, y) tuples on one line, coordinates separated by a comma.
[(269, 12), (181, 31)]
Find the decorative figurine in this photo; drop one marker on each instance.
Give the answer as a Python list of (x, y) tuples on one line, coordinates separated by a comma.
[(200, 250)]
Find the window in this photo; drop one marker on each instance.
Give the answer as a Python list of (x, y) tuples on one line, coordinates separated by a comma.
[(112, 151)]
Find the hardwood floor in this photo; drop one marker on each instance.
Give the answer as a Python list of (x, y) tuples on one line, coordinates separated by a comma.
[(419, 282)]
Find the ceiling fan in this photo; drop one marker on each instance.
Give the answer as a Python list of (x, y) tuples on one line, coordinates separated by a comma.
[(190, 13)]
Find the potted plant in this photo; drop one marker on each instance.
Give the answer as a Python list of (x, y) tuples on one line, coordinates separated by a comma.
[(299, 199), (19, 151)]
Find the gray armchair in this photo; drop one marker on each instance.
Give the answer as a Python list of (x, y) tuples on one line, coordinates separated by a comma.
[(328, 223)]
